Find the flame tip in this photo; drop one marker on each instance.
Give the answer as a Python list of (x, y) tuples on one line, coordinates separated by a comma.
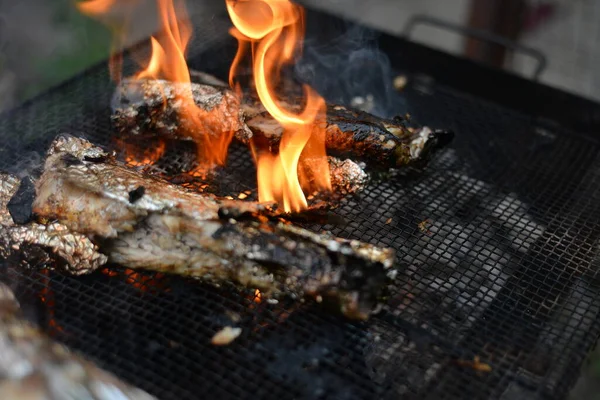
[(274, 30)]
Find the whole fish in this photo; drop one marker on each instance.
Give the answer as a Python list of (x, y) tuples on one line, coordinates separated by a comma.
[(379, 142), (148, 108), (33, 366), (144, 222), (142, 106)]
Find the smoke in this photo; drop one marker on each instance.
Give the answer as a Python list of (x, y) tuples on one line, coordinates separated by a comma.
[(29, 164), (349, 69)]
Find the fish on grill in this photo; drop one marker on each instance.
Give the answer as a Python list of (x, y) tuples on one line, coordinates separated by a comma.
[(33, 366), (143, 106), (148, 108), (144, 222), (381, 143), (31, 243)]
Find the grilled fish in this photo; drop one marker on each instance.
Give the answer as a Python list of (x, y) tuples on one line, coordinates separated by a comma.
[(144, 222), (380, 143), (349, 133), (37, 244), (33, 366), (142, 106)]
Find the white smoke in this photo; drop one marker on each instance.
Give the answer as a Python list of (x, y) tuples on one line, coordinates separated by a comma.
[(348, 67)]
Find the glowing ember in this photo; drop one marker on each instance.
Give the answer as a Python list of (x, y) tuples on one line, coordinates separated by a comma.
[(138, 156), (144, 282), (167, 62), (273, 30), (257, 296), (46, 295)]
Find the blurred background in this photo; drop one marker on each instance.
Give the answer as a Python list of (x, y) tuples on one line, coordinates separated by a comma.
[(44, 42)]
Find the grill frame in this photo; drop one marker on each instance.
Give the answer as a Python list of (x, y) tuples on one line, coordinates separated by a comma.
[(543, 147)]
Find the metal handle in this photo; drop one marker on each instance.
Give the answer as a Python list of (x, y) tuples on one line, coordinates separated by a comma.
[(478, 34)]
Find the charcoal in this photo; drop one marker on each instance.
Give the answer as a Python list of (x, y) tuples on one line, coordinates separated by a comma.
[(19, 205)]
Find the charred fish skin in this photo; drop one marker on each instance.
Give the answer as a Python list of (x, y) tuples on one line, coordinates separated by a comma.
[(335, 269), (33, 366), (270, 258), (85, 178), (354, 134), (346, 176), (154, 107), (171, 230), (50, 244), (390, 142), (358, 135)]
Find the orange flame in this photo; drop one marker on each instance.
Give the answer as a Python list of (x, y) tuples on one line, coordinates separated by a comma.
[(136, 155), (167, 62), (273, 29), (96, 7), (168, 51)]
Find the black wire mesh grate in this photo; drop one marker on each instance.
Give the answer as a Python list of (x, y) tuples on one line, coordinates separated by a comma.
[(496, 296)]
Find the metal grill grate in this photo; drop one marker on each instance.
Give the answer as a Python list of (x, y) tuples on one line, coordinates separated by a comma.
[(498, 248)]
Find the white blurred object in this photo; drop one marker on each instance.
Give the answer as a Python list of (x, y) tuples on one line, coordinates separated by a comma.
[(391, 16), (569, 39)]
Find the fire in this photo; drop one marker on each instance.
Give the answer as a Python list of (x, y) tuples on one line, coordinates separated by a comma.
[(137, 156), (257, 296), (142, 282), (168, 51), (167, 62), (273, 30)]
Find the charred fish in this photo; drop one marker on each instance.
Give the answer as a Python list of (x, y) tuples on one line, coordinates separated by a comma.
[(145, 222), (155, 106), (148, 108)]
